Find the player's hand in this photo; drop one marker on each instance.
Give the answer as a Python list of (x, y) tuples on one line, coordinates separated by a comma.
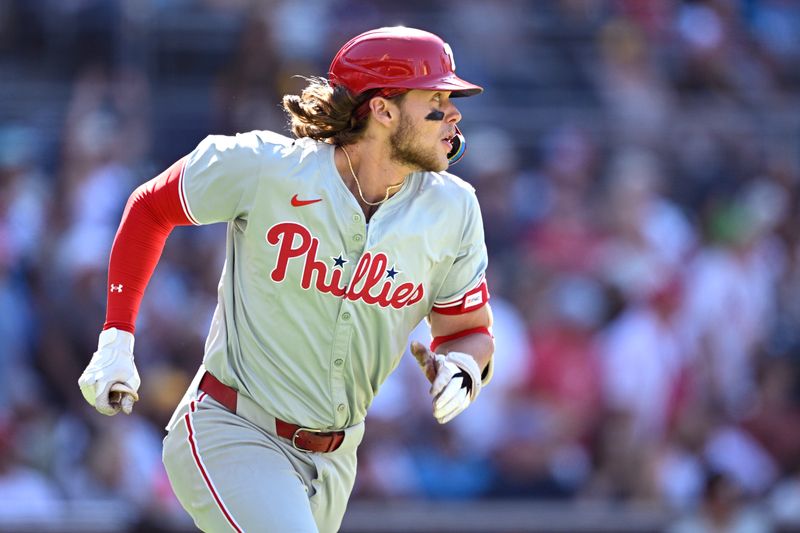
[(455, 380), (111, 382)]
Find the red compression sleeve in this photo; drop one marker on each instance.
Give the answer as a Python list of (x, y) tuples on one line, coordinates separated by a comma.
[(151, 213), (438, 341)]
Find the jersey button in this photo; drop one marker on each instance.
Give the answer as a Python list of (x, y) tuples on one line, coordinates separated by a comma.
[(341, 407), (339, 362), (357, 237), (356, 218), (345, 316)]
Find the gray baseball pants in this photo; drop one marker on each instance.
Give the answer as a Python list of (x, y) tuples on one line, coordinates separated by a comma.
[(231, 472)]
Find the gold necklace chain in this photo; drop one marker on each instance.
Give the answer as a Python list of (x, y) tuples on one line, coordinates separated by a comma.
[(358, 185)]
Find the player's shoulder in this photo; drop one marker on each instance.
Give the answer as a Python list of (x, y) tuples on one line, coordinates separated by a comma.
[(285, 147), (445, 181), (256, 140), (446, 186), (263, 145)]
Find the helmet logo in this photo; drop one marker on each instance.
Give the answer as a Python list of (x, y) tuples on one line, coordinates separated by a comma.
[(449, 52)]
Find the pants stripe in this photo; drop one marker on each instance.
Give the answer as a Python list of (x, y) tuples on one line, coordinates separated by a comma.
[(201, 467)]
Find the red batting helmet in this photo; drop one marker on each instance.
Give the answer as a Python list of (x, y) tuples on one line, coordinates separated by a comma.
[(398, 58)]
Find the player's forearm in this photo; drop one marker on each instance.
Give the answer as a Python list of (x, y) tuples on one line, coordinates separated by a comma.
[(479, 345), (151, 213), (134, 255)]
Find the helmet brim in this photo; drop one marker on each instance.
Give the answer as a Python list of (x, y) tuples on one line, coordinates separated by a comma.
[(452, 83)]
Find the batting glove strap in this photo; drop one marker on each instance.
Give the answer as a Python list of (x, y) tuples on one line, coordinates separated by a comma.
[(111, 369)]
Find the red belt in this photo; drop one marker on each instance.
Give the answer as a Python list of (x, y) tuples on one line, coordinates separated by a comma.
[(305, 439)]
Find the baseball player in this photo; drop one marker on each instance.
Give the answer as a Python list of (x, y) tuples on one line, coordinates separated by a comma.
[(339, 242)]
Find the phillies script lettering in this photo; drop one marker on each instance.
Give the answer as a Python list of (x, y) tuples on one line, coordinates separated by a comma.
[(369, 282)]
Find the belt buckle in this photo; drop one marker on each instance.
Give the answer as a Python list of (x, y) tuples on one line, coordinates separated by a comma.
[(297, 432)]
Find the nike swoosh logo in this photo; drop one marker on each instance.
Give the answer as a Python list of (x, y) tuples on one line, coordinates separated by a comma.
[(297, 202)]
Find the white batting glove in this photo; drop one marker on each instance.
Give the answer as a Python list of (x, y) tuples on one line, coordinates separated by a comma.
[(111, 381), (456, 380)]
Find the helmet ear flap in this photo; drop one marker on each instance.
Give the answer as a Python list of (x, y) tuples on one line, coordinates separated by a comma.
[(459, 147)]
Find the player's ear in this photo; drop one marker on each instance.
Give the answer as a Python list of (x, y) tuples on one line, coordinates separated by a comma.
[(383, 110)]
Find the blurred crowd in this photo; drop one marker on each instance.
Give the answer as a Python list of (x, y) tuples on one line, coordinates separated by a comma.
[(638, 167)]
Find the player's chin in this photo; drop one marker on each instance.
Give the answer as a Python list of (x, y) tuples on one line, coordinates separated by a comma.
[(438, 167), (432, 160)]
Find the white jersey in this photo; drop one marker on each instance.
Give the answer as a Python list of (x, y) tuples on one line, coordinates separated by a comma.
[(315, 307)]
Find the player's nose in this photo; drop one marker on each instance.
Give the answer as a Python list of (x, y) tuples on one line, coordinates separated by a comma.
[(453, 114)]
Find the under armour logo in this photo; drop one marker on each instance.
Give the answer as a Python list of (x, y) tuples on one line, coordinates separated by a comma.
[(116, 288)]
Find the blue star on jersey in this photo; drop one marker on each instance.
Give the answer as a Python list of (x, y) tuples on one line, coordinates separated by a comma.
[(339, 261), (391, 273)]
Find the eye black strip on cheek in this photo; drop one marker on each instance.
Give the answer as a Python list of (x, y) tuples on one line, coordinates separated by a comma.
[(435, 115)]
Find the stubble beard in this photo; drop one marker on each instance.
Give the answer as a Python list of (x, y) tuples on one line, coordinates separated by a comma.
[(407, 151)]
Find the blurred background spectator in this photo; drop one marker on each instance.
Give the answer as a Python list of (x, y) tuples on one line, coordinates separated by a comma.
[(638, 167)]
